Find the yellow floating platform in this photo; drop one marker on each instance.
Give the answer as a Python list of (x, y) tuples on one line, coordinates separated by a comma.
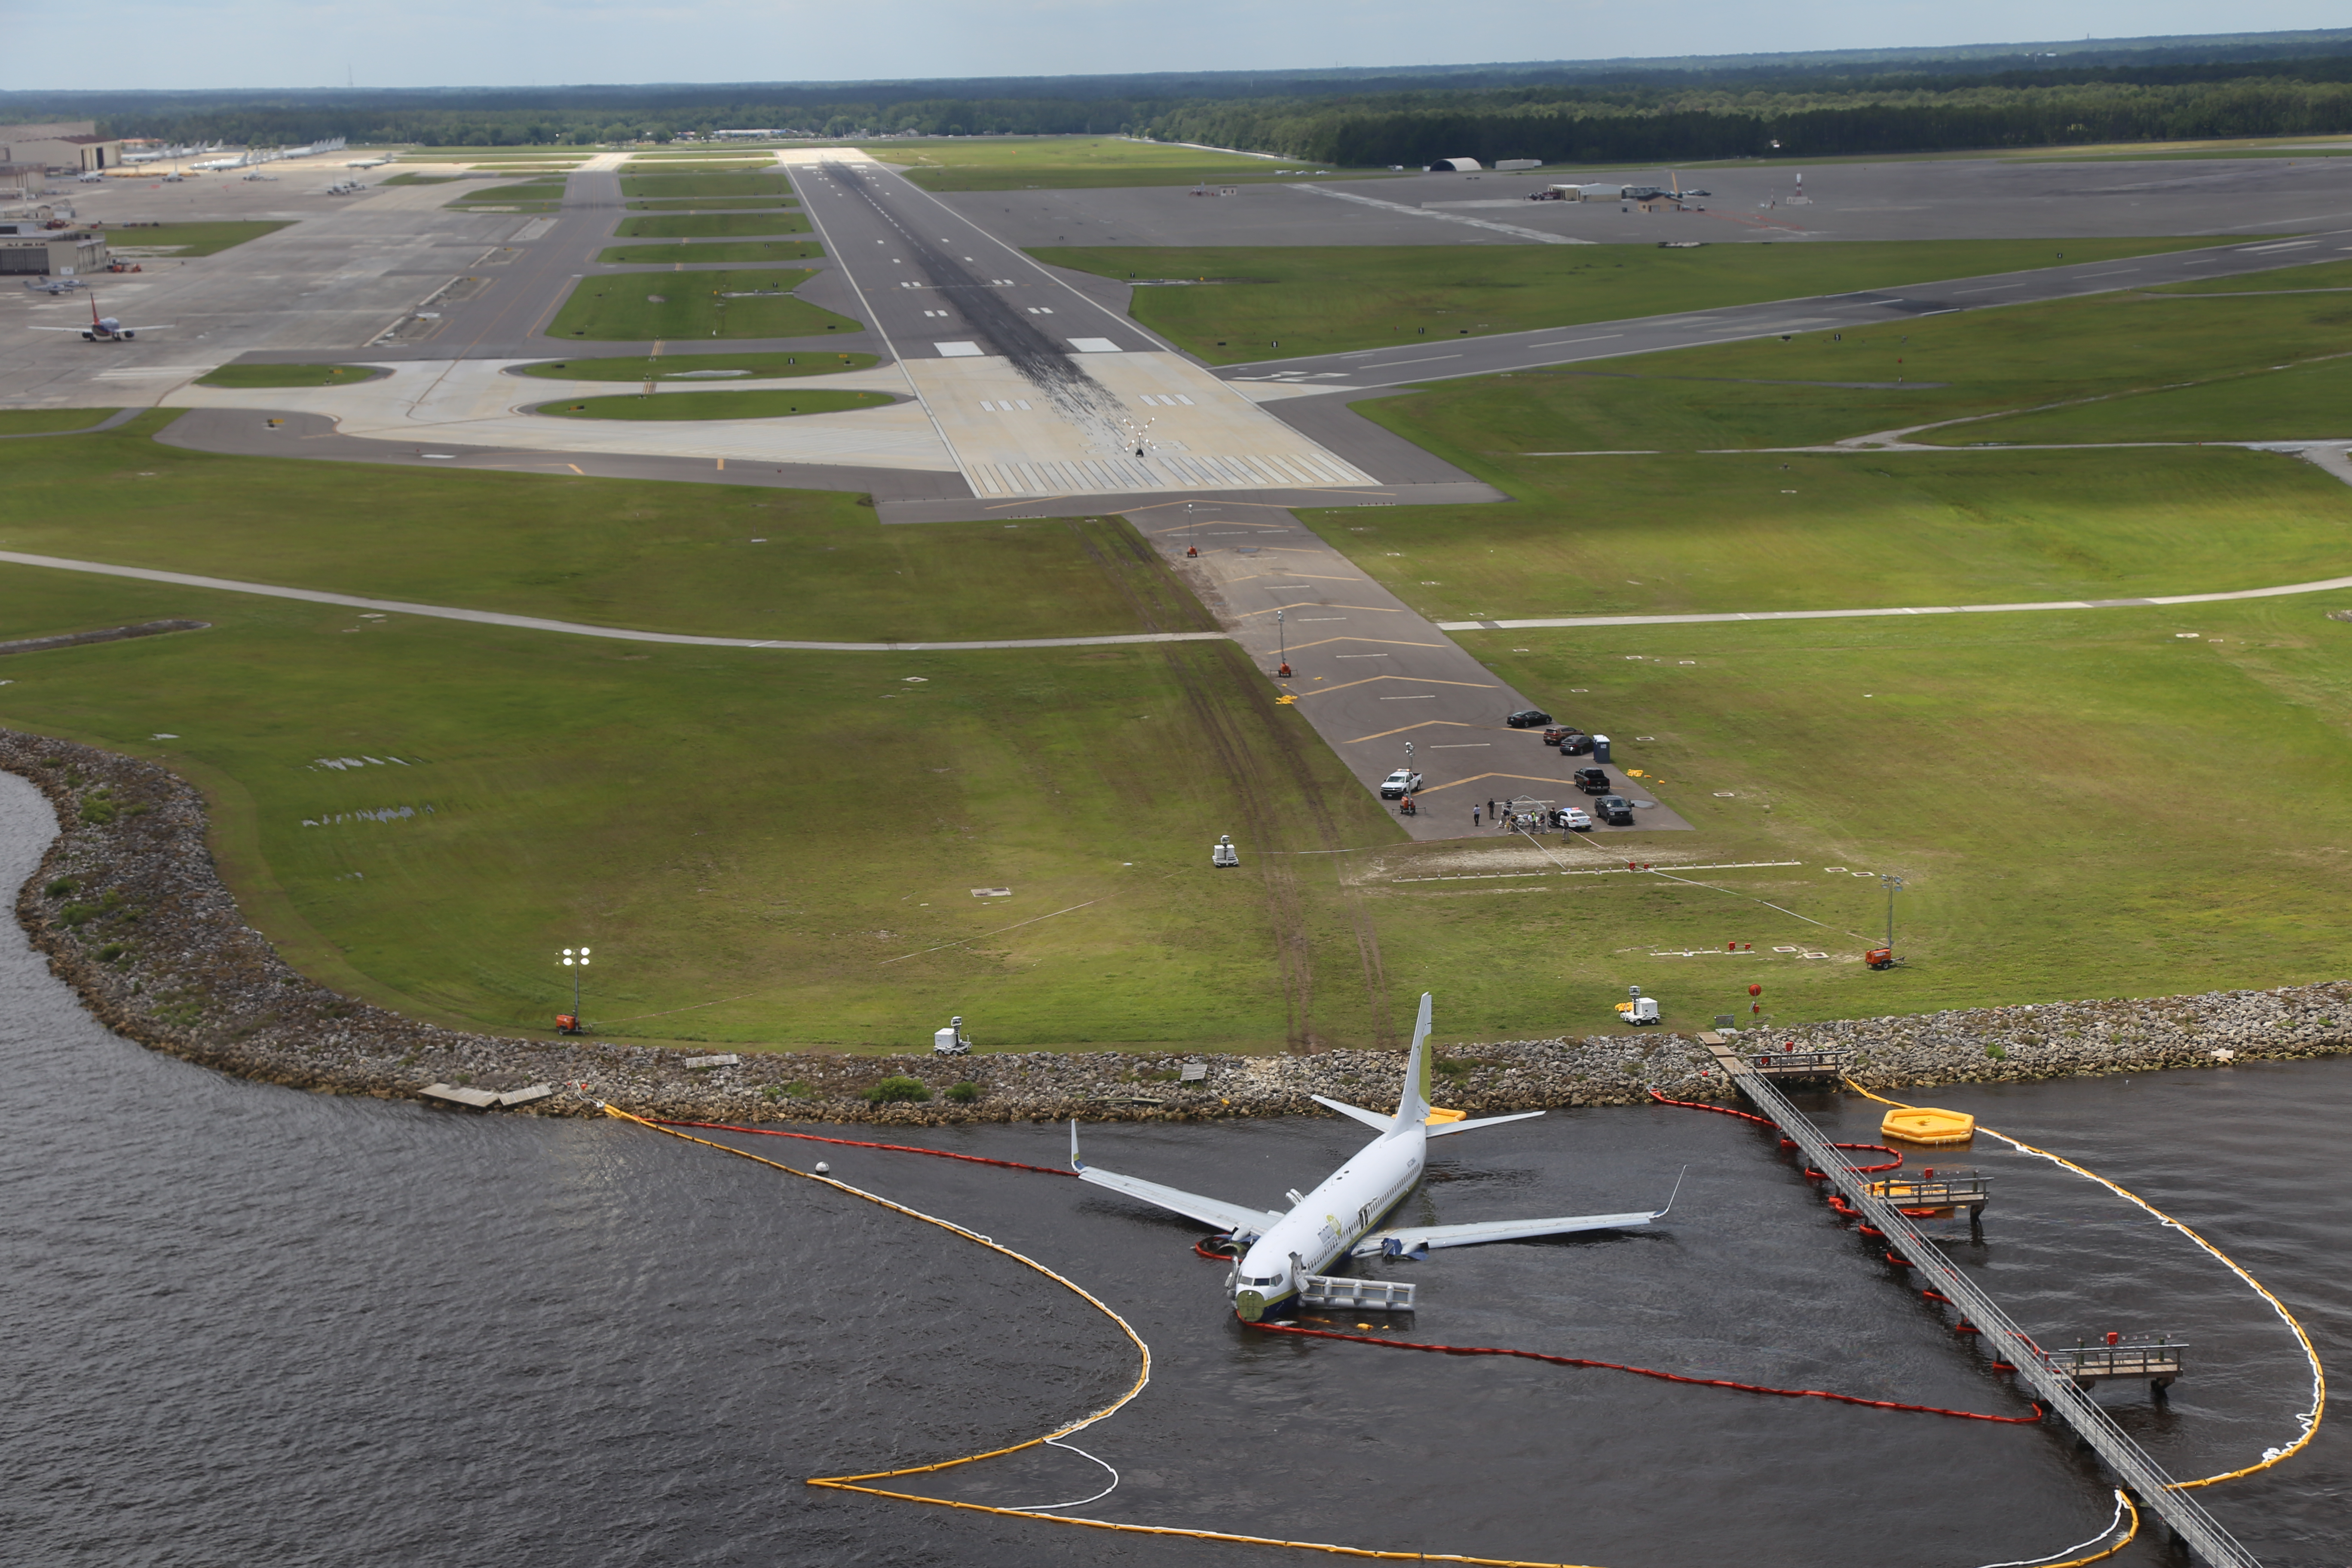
[(1924, 1125)]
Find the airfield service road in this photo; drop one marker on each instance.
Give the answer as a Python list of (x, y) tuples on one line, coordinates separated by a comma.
[(1369, 674)]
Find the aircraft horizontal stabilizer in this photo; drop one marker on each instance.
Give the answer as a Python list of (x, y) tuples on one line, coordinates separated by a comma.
[(1238, 1219), (1415, 1239), (1446, 1129), (1372, 1119)]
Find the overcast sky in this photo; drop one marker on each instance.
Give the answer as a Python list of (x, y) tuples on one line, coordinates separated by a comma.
[(460, 43)]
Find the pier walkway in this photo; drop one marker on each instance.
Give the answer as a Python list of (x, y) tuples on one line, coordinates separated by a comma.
[(2052, 1386)]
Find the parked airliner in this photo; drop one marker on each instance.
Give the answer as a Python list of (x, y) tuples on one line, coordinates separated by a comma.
[(1282, 1251)]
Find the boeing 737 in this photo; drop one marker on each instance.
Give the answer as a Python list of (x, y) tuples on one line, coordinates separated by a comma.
[(1283, 1253), (102, 329)]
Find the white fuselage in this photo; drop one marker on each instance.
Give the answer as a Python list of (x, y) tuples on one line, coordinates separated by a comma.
[(1320, 1227)]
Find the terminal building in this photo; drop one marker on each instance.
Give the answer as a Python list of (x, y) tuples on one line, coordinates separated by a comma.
[(73, 146)]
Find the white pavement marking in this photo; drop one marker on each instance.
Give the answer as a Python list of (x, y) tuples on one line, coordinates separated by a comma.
[(2283, 591), (1513, 229), (571, 629)]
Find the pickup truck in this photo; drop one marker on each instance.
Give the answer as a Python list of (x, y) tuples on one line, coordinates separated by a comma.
[(1400, 784), (1615, 810), (1593, 781)]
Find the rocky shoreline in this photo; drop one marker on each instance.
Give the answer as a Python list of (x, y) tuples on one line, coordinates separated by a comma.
[(132, 913)]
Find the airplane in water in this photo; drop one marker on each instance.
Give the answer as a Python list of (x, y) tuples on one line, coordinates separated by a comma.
[(103, 329), (1284, 1253)]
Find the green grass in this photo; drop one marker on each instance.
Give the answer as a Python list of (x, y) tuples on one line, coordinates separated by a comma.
[(703, 166), (645, 306), (719, 250), (710, 225), (765, 184), (748, 834), (714, 204), (2325, 275), (638, 368), (536, 196), (748, 404), (47, 421), (289, 375), (1064, 163), (640, 799), (664, 557), (2294, 403), (418, 180), (192, 238), (1323, 299)]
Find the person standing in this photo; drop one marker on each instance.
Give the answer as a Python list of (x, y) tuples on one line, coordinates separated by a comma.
[(1474, 816)]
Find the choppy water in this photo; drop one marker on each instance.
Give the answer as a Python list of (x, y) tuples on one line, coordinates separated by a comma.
[(249, 1326)]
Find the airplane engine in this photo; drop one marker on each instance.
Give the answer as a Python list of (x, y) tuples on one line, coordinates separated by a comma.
[(90, 337), (126, 337)]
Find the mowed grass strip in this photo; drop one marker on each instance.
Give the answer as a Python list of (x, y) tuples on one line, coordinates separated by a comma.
[(2307, 402), (50, 421), (189, 238), (696, 366), (769, 839), (1058, 162), (1327, 299), (752, 402), (2286, 279), (661, 557), (713, 203), (644, 306), (699, 252), (766, 183), (290, 375), (710, 225)]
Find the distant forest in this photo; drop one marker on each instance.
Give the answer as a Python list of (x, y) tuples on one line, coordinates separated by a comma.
[(1612, 112)]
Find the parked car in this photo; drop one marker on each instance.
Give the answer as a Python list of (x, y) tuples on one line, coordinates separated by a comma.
[(1528, 719), (1573, 818), (1573, 743), (1591, 781), (1400, 784), (1615, 810)]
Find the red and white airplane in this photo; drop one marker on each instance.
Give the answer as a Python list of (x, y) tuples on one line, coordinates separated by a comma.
[(103, 329)]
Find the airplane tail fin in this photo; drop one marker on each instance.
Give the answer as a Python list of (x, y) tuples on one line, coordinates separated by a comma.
[(1413, 1106)]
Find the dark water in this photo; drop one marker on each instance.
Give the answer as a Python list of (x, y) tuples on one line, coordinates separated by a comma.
[(249, 1326)]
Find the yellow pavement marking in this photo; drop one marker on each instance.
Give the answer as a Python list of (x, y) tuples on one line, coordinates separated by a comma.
[(1383, 609), (1387, 642), (1408, 729), (1473, 778)]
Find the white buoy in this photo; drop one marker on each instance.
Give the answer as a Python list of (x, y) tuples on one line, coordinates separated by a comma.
[(822, 1167)]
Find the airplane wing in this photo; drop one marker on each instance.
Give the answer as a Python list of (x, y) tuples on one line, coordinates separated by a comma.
[(1444, 1129), (1372, 1119), (1415, 1239), (1238, 1219)]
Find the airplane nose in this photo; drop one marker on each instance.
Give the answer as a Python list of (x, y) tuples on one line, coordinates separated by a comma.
[(1249, 1306)]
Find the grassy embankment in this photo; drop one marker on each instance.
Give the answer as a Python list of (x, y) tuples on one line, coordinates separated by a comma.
[(290, 375), (1061, 162), (676, 367), (642, 307), (1327, 299), (49, 421), (699, 252), (533, 196), (188, 238), (710, 225), (752, 402)]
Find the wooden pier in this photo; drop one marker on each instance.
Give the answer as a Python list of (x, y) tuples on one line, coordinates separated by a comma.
[(2055, 1378), (1764, 1061), (2156, 1358)]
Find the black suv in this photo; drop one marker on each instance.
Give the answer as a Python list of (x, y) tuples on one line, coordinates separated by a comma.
[(1528, 719), (1593, 781), (1572, 741), (1615, 810)]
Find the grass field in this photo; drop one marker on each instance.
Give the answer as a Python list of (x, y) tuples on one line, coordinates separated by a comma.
[(705, 166), (751, 403), (1322, 300), (638, 368), (289, 376), (714, 204), (540, 195), (2300, 402), (766, 183), (710, 225), (642, 307), (1015, 164), (190, 239), (2325, 275), (47, 421), (414, 179), (737, 250), (667, 557), (641, 800)]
